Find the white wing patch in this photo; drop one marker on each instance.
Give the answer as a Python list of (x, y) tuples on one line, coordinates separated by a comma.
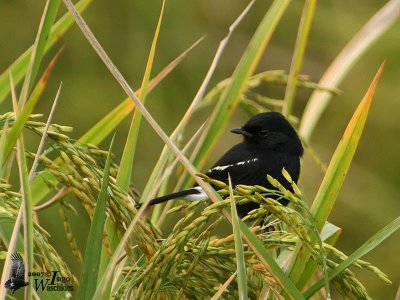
[(196, 197), (240, 163)]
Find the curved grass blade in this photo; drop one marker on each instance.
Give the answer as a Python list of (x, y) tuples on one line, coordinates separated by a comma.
[(343, 63), (335, 174), (239, 252), (26, 205), (126, 165), (342, 157), (19, 67), (298, 55), (43, 139), (369, 245), (3, 168), (47, 20), (90, 269), (23, 116)]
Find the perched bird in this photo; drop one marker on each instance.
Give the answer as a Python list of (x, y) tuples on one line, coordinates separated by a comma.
[(17, 274), (269, 144)]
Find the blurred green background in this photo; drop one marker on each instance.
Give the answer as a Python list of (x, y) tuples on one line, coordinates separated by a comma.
[(370, 196)]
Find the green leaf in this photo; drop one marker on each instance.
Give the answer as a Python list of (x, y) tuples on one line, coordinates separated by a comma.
[(241, 266), (23, 116), (47, 20), (126, 165), (3, 168), (341, 159), (335, 174), (298, 55), (369, 245), (26, 204), (88, 281)]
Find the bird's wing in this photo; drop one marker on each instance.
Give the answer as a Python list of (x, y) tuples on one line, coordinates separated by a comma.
[(239, 163), (17, 268)]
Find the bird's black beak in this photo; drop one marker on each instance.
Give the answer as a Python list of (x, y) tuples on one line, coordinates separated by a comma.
[(242, 132)]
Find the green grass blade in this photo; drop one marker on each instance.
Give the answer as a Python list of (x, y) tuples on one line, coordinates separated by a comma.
[(298, 55), (241, 266), (270, 264), (3, 167), (47, 20), (108, 123), (344, 62), (336, 173), (26, 204), (90, 269), (19, 68), (342, 157), (231, 95), (23, 116), (126, 165), (44, 136), (369, 245)]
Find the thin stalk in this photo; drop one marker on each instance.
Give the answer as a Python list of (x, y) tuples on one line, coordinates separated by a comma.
[(43, 139), (26, 205), (298, 55)]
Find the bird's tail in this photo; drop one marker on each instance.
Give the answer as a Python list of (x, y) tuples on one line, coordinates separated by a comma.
[(180, 194)]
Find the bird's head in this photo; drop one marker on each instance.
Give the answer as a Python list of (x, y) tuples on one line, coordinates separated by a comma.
[(270, 131)]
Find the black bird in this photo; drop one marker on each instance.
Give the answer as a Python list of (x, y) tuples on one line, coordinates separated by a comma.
[(17, 274), (269, 144)]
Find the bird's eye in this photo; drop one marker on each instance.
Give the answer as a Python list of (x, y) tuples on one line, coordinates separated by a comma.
[(264, 132)]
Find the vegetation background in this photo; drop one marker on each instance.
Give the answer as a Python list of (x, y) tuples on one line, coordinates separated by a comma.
[(370, 197)]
